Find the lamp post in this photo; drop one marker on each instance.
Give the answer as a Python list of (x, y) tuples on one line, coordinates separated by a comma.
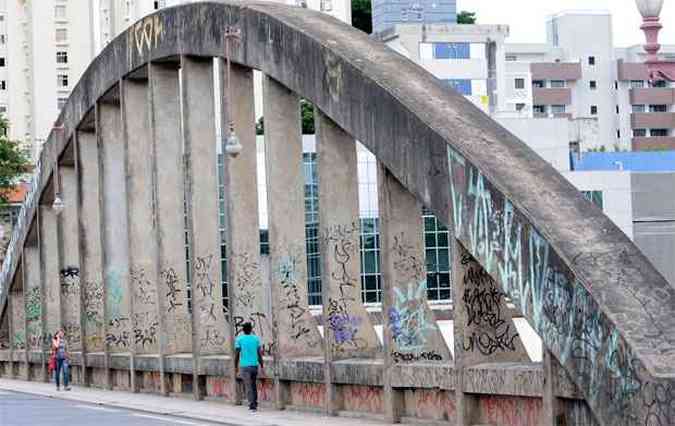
[(58, 206), (232, 145), (651, 25)]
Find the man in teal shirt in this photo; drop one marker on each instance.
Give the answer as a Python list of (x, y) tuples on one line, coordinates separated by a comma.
[(247, 358)]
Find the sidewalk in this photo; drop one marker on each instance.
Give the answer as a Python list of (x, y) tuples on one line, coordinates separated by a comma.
[(214, 412)]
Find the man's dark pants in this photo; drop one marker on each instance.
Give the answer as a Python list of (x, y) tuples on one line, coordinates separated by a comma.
[(250, 376)]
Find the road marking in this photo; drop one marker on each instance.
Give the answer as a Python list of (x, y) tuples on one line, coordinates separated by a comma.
[(167, 419), (91, 407)]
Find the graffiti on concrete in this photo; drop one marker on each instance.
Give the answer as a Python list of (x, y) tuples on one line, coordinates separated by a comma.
[(145, 329), (171, 282), (33, 304), (399, 357), (204, 282), (118, 335), (70, 281), (408, 320)]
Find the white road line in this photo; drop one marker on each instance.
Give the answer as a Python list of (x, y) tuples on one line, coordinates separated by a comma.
[(167, 419), (91, 407)]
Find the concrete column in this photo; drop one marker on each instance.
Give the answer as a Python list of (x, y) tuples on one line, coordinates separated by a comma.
[(483, 328), (209, 328), (10, 325), (18, 332), (69, 268), (410, 330), (348, 330), (553, 409), (30, 265), (297, 331), (114, 232), (90, 248), (248, 295), (169, 172), (142, 220), (49, 260)]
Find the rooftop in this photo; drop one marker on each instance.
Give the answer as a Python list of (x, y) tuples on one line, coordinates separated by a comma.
[(644, 161)]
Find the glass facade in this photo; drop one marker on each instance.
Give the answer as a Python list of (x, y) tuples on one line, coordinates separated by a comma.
[(462, 86), (312, 228)]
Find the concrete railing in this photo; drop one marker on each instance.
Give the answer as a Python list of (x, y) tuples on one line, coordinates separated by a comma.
[(112, 268)]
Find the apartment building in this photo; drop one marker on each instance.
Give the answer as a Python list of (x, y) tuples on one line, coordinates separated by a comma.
[(388, 13)]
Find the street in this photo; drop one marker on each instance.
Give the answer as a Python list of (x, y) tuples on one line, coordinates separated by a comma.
[(18, 409)]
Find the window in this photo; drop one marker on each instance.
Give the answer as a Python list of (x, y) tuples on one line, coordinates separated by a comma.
[(462, 86), (594, 197), (511, 58), (61, 102), (591, 60), (2, 62), (3, 39), (617, 109), (62, 80), (616, 85), (659, 83), (557, 84), (264, 242), (61, 35), (639, 133), (618, 134), (60, 12), (638, 108), (658, 108), (557, 109), (61, 57), (3, 109), (160, 4), (593, 84), (371, 277), (538, 84), (637, 84), (452, 50), (520, 107), (520, 83), (437, 256), (594, 110), (658, 132), (3, 85), (326, 5), (539, 109)]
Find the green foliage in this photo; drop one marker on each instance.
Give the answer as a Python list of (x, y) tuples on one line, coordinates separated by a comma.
[(362, 16), (465, 17), (602, 148), (306, 114), (13, 163)]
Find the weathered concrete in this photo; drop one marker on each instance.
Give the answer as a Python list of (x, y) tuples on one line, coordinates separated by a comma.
[(33, 306), (69, 268), (209, 329), (411, 334), (49, 260), (169, 172)]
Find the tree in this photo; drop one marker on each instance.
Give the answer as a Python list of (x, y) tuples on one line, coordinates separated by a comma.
[(465, 17), (13, 163), (306, 114), (362, 15)]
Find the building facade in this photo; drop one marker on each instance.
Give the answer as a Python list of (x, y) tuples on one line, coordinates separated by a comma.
[(388, 13)]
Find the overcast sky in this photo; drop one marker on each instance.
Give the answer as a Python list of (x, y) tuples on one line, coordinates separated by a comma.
[(527, 18)]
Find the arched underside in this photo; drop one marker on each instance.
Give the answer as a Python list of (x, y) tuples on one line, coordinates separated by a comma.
[(600, 307)]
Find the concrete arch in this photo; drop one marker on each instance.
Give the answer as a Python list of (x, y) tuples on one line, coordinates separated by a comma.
[(599, 305)]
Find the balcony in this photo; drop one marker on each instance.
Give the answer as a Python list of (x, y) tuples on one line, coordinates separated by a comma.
[(632, 71), (652, 96), (653, 120), (556, 71), (662, 143), (552, 96)]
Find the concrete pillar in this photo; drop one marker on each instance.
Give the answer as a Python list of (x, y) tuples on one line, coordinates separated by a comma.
[(69, 267), (483, 328), (49, 260), (30, 265), (348, 330), (553, 410), (114, 230), (410, 330), (209, 328), (18, 332), (248, 295), (90, 248), (142, 220), (169, 172)]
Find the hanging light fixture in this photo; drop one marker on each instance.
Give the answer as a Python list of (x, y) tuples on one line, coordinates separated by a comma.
[(58, 205), (232, 145)]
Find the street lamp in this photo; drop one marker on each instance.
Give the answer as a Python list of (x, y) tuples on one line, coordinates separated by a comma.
[(232, 145), (58, 206), (658, 69)]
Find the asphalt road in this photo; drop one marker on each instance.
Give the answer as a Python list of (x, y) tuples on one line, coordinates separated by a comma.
[(22, 410)]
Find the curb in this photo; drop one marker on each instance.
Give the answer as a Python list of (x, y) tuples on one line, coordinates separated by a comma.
[(113, 404)]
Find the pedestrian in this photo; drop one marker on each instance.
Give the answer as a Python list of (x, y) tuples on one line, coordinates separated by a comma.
[(248, 357), (60, 354)]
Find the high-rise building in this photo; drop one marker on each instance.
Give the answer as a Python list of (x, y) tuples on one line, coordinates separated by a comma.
[(388, 13)]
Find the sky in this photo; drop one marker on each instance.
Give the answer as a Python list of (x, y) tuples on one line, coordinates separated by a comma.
[(527, 18)]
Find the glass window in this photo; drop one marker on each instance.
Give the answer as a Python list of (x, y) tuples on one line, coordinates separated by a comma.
[(591, 60), (659, 83), (520, 107), (2, 62), (638, 108), (593, 85), (594, 110), (62, 80), (60, 11), (371, 277), (658, 132), (61, 35), (511, 58), (557, 109), (594, 197), (61, 57), (639, 133), (3, 85), (658, 108), (462, 86), (637, 84), (539, 109), (557, 84), (452, 50), (437, 258), (326, 5), (520, 83), (538, 84)]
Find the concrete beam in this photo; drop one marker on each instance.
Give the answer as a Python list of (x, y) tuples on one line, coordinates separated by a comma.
[(49, 260), (210, 331), (169, 173)]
